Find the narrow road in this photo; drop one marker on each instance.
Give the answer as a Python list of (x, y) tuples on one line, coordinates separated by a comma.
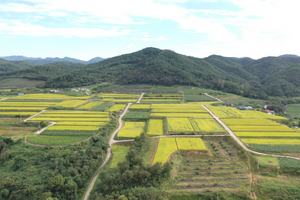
[(140, 98), (111, 141), (40, 131), (231, 133), (34, 115), (214, 97), (3, 99)]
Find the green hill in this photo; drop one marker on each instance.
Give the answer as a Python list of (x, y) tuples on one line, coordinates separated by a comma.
[(11, 66)]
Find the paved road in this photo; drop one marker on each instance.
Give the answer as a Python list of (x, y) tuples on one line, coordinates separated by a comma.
[(140, 98), (111, 141), (238, 140)]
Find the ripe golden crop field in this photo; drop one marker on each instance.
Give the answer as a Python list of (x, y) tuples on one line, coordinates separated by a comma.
[(190, 144), (166, 147), (132, 129), (179, 125), (207, 125), (155, 127)]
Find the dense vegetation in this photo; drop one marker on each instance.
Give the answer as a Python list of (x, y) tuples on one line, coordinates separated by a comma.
[(44, 172), (10, 66), (133, 179)]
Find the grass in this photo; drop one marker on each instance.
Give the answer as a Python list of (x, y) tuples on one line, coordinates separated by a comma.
[(131, 129), (162, 90), (267, 161), (134, 115), (190, 144), (166, 147), (121, 96), (293, 110), (116, 107), (272, 141), (267, 134), (195, 98), (207, 126), (179, 125), (119, 155), (155, 127), (55, 140), (68, 133)]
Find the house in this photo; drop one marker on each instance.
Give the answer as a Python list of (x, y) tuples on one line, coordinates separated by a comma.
[(73, 89), (53, 91), (271, 112), (84, 89), (20, 94)]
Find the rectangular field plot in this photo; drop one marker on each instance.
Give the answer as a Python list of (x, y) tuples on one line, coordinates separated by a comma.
[(48, 96), (75, 112), (278, 148), (179, 125), (69, 115), (17, 113), (132, 129), (178, 108), (166, 147), (199, 115), (267, 134), (23, 108), (57, 127), (121, 96), (140, 106), (272, 141), (161, 100), (248, 122), (119, 100), (289, 163), (80, 123), (207, 125), (116, 107), (227, 112), (155, 127), (69, 133), (66, 119), (26, 104), (119, 155), (70, 103), (279, 128), (268, 160), (195, 98), (190, 144), (260, 115), (89, 105), (135, 115), (55, 140)]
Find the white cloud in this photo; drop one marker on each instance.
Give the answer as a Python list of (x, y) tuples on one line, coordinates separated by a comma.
[(130, 46), (160, 38), (19, 28)]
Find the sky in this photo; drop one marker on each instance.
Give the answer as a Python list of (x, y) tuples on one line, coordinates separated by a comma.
[(106, 28)]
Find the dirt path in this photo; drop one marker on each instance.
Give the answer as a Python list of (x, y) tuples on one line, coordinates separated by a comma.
[(140, 98), (40, 131), (214, 97), (3, 99), (238, 140), (34, 115), (111, 141)]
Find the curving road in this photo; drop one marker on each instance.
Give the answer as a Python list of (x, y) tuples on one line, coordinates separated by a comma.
[(111, 142), (231, 133)]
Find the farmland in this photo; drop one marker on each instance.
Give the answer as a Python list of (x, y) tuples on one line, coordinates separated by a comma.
[(179, 125), (190, 144), (166, 147), (278, 128), (89, 105), (293, 110), (116, 107), (155, 127), (131, 129), (135, 115), (197, 98), (119, 153), (119, 100), (70, 104), (207, 126), (272, 141), (17, 113), (267, 134), (267, 160), (119, 95), (48, 96), (73, 119), (65, 127), (55, 140), (199, 115), (140, 107)]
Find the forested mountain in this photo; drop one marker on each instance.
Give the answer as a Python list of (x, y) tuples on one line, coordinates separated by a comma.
[(10, 66), (275, 76), (46, 72), (152, 66), (48, 60)]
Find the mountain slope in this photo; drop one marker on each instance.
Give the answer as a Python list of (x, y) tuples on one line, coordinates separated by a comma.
[(10, 66), (151, 66)]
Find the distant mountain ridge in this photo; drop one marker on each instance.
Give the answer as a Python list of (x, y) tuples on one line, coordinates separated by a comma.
[(48, 60)]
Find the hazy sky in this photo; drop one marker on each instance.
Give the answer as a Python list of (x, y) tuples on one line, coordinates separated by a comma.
[(85, 29)]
